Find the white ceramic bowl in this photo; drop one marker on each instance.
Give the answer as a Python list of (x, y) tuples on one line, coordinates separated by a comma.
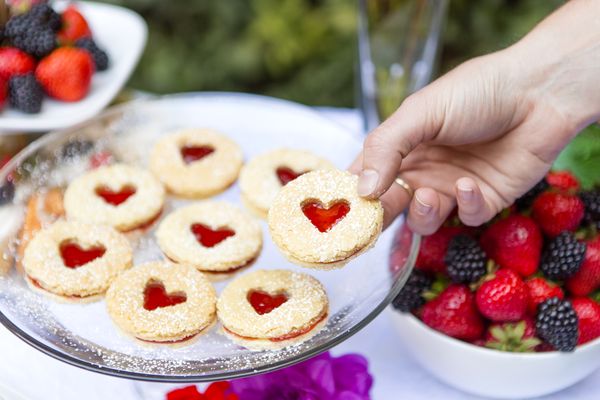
[(493, 373)]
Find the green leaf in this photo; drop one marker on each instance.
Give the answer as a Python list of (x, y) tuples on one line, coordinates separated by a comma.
[(582, 157)]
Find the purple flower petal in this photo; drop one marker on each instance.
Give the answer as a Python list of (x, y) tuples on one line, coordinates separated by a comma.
[(321, 378), (321, 373), (350, 396)]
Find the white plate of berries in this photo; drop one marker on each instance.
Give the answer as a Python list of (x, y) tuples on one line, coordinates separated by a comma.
[(527, 282), (63, 62)]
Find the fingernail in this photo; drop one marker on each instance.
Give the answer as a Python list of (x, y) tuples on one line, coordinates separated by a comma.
[(465, 193), (367, 182), (422, 207)]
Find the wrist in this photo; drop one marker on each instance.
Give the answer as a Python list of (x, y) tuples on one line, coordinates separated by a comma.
[(558, 63)]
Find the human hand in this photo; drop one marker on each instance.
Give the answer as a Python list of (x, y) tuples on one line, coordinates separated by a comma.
[(482, 135)]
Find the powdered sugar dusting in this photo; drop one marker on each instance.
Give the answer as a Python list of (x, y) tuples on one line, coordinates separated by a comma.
[(85, 332)]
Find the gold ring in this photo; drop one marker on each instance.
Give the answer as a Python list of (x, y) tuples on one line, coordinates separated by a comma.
[(405, 186)]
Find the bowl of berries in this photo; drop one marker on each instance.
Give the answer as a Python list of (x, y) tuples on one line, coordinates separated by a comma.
[(509, 309), (63, 62)]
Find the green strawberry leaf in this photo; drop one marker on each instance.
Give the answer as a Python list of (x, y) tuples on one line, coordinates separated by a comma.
[(582, 157)]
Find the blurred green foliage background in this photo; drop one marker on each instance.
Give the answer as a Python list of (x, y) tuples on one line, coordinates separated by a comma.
[(303, 50)]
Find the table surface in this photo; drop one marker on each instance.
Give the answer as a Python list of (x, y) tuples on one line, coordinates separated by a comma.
[(396, 376)]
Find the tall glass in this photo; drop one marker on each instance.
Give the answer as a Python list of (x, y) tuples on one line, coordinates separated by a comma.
[(398, 45)]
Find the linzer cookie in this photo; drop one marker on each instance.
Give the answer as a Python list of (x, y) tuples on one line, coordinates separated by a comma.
[(319, 221), (196, 163), (263, 177), (215, 237), (118, 195), (272, 309), (74, 260), (162, 302)]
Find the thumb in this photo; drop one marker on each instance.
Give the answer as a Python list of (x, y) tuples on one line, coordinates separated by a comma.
[(418, 119)]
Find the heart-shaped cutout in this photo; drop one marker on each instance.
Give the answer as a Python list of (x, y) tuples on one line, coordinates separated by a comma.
[(195, 153), (286, 175), (324, 218), (156, 296), (115, 198), (74, 256), (209, 237), (263, 302)]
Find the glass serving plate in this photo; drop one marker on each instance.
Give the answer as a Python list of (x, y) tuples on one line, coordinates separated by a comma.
[(83, 334)]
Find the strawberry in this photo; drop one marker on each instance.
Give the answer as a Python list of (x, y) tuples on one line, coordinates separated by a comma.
[(587, 279), (14, 62), (503, 297), (514, 242), (557, 212), (454, 313), (66, 73), (74, 26), (588, 312), (433, 249), (562, 180), (3, 93), (540, 290), (512, 336), (400, 249)]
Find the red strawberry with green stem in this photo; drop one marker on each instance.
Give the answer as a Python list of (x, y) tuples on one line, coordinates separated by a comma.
[(512, 336), (502, 297), (453, 313), (557, 212), (588, 312), (540, 290), (514, 242), (587, 278)]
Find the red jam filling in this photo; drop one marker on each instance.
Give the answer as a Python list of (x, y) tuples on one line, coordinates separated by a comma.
[(147, 224), (286, 175), (292, 335), (156, 296), (208, 237), (38, 285), (263, 302), (75, 256), (176, 341), (324, 218), (195, 153), (115, 198)]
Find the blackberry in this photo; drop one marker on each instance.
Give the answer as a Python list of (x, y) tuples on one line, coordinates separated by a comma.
[(563, 256), (46, 16), (557, 324), (38, 42), (591, 201), (411, 295), (76, 148), (527, 199), (7, 193), (25, 93), (465, 259), (98, 55), (41, 16), (19, 24)]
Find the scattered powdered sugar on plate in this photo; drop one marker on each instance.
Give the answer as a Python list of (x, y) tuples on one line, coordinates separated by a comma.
[(84, 333)]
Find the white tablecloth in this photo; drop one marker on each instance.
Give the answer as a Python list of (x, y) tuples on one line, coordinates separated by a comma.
[(396, 376)]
